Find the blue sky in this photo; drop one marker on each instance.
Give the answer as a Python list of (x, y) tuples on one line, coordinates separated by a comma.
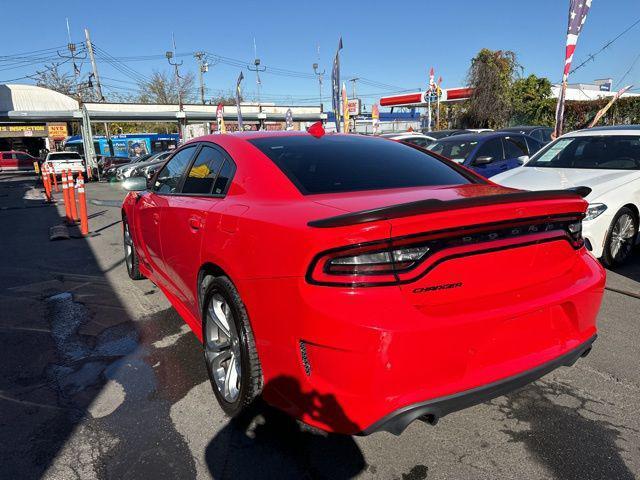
[(385, 42)]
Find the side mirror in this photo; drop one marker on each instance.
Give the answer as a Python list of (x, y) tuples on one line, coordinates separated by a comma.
[(523, 159), (135, 184), (485, 160)]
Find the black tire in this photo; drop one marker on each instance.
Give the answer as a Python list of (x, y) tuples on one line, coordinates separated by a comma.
[(249, 385), (610, 256), (130, 255)]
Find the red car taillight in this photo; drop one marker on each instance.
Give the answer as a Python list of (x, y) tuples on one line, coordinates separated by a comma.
[(399, 260), (376, 263)]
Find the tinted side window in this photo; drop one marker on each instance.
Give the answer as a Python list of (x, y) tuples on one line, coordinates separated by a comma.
[(204, 171), (546, 134), (515, 147), (224, 178), (491, 148), (168, 180), (537, 134), (534, 145)]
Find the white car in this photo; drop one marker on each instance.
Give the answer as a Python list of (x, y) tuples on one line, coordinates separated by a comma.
[(64, 161), (605, 159), (415, 138)]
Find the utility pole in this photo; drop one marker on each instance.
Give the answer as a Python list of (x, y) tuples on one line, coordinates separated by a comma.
[(353, 87), (170, 54), (204, 68), (98, 85), (94, 66), (319, 75)]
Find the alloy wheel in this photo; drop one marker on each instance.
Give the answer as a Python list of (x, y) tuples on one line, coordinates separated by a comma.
[(222, 348), (622, 237)]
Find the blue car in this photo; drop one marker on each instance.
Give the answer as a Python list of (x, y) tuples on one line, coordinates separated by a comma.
[(487, 153)]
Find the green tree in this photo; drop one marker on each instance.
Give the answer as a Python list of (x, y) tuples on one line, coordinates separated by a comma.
[(531, 101), (491, 76)]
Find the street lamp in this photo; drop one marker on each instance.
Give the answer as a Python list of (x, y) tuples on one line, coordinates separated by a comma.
[(257, 69)]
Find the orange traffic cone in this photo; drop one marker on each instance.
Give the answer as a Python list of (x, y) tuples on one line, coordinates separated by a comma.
[(72, 197), (82, 202)]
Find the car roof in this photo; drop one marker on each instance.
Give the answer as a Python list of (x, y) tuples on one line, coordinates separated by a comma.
[(522, 128), (470, 137), (609, 130), (403, 134)]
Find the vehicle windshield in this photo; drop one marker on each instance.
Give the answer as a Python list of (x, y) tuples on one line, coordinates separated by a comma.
[(614, 152), (64, 156), (456, 150), (339, 163)]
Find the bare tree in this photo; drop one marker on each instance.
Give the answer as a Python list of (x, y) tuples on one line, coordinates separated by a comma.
[(164, 88), (53, 79)]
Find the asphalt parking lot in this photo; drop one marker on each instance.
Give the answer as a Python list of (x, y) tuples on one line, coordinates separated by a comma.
[(100, 378)]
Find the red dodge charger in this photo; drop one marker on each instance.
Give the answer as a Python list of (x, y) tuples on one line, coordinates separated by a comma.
[(359, 283)]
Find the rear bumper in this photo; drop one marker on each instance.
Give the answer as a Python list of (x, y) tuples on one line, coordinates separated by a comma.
[(433, 410)]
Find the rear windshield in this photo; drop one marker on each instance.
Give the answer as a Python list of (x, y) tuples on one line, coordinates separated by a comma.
[(64, 156), (337, 163)]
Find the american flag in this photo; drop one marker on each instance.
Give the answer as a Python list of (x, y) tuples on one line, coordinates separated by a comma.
[(578, 10)]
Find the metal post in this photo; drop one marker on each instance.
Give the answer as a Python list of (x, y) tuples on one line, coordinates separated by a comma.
[(87, 141), (429, 111)]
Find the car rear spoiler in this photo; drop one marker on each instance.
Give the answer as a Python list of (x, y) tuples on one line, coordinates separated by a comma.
[(433, 206)]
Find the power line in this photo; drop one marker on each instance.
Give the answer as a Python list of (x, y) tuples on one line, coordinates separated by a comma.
[(32, 75), (633, 64), (591, 56)]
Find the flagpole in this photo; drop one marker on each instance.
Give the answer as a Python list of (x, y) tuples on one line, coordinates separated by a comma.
[(429, 111), (606, 108), (578, 10)]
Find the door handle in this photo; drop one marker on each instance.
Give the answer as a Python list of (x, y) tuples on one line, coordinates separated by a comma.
[(195, 223), (156, 218)]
